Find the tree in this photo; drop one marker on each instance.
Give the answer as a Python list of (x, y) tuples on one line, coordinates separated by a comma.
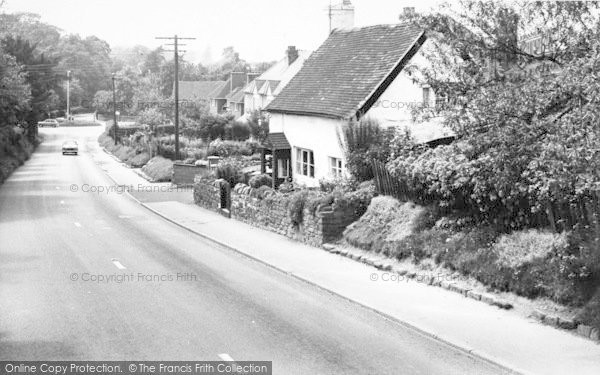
[(88, 60), (526, 120), (42, 80), (15, 93)]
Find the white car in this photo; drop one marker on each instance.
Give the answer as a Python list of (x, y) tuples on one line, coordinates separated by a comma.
[(70, 147), (48, 122)]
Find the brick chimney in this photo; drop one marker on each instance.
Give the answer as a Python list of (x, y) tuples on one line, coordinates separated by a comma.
[(292, 54), (341, 16), (251, 77)]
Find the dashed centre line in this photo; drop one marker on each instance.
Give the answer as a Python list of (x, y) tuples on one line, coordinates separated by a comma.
[(226, 357), (118, 264)]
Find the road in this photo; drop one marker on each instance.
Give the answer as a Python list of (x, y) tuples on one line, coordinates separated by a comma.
[(225, 305)]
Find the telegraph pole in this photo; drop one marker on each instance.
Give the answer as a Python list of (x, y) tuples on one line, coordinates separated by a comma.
[(68, 95), (114, 108), (176, 45)]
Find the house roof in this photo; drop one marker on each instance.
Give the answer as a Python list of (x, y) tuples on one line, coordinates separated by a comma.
[(220, 91), (277, 141), (349, 71), (189, 90), (236, 96)]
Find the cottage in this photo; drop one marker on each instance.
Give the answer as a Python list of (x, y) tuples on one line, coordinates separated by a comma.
[(355, 73), (198, 91)]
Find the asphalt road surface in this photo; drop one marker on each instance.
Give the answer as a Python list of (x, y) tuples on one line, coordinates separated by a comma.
[(224, 305)]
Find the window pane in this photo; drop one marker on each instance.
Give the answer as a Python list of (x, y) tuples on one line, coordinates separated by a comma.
[(304, 170), (304, 156), (312, 171), (312, 157)]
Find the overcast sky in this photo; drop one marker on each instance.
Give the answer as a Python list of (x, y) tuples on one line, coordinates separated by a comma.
[(260, 30)]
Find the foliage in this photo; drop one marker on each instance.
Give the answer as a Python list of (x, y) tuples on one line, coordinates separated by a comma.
[(385, 222), (259, 126), (231, 148), (364, 143), (526, 121), (151, 117), (15, 92), (260, 180), (230, 171), (15, 149), (237, 131), (296, 208), (159, 169), (42, 83)]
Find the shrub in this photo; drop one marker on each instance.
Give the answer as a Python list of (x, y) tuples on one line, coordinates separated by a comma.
[(365, 143), (356, 202), (230, 171), (262, 192), (159, 169), (237, 131), (139, 160), (590, 314), (261, 180), (296, 210), (386, 220), (231, 148)]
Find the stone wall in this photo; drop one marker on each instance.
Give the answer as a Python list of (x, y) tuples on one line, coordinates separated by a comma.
[(207, 194), (184, 174), (270, 210)]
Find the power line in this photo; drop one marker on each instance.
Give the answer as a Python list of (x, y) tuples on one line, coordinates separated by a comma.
[(175, 51)]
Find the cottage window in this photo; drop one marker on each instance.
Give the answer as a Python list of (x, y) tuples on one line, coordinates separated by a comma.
[(426, 92), (305, 162), (335, 167)]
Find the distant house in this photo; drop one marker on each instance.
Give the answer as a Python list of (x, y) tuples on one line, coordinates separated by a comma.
[(220, 97), (198, 91), (263, 89), (355, 73)]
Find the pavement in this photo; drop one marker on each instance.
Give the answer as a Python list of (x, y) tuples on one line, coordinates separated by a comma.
[(500, 336), (87, 273)]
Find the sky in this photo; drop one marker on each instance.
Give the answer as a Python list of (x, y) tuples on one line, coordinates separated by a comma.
[(260, 30)]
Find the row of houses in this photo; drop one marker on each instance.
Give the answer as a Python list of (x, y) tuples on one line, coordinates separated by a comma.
[(244, 93), (310, 96)]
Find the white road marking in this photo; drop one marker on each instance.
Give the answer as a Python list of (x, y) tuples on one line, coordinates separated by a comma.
[(62, 202), (118, 264), (77, 224), (226, 357)]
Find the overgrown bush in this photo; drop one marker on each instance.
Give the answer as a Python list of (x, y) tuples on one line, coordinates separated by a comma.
[(230, 171), (385, 221), (365, 143), (260, 180), (232, 148), (296, 208), (237, 131), (159, 169), (139, 160)]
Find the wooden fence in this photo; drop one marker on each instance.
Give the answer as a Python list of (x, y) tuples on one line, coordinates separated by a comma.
[(559, 216)]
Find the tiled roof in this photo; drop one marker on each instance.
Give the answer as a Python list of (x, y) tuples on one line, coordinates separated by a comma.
[(349, 71), (277, 141), (236, 96), (221, 91), (189, 90)]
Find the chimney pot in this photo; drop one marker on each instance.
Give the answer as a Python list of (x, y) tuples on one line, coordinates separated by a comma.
[(292, 54)]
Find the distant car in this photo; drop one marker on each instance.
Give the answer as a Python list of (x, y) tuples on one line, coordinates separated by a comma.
[(70, 147), (48, 122)]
